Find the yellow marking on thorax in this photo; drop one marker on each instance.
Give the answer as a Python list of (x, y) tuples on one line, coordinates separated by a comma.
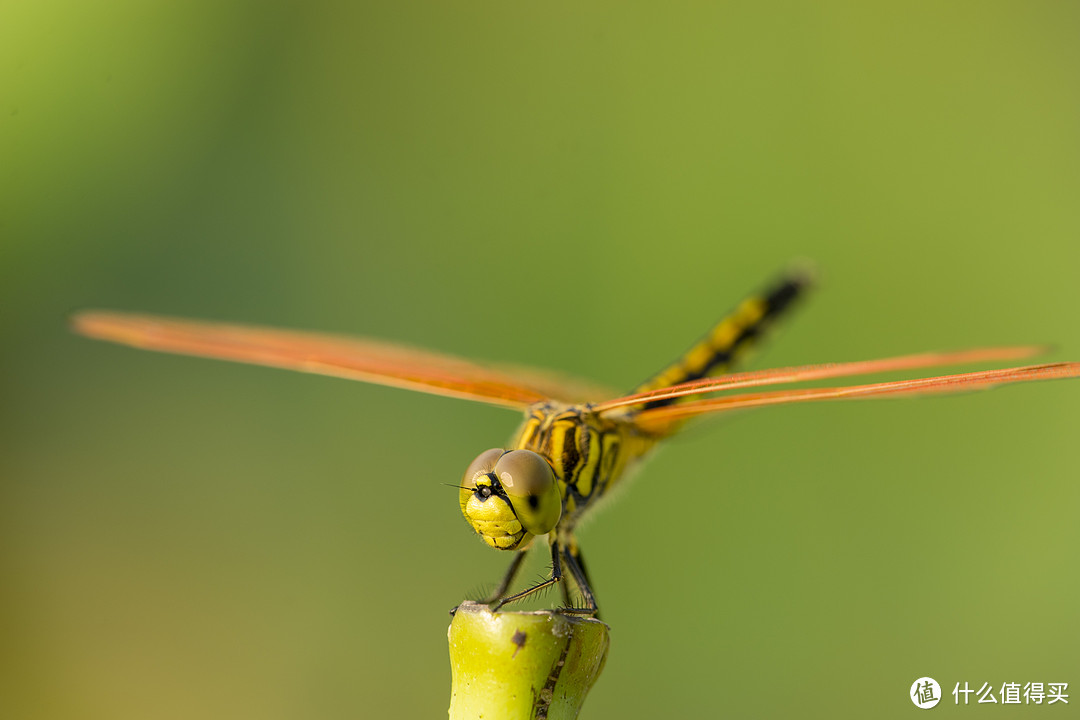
[(602, 449), (612, 451), (587, 474)]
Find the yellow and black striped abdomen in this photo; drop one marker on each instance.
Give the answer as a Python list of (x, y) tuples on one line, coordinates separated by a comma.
[(590, 453), (719, 350)]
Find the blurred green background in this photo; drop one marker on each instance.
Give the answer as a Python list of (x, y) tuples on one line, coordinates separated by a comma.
[(584, 188)]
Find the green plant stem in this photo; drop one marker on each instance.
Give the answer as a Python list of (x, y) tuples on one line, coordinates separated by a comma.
[(522, 665)]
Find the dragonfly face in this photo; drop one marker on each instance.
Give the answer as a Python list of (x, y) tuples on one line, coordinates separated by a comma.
[(510, 496)]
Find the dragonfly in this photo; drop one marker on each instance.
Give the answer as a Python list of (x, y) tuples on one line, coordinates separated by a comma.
[(577, 442)]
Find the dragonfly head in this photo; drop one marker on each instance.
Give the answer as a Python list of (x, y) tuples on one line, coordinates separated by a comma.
[(508, 497)]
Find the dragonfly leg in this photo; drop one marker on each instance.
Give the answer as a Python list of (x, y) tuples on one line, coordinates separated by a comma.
[(558, 553), (576, 565), (556, 576), (508, 578)]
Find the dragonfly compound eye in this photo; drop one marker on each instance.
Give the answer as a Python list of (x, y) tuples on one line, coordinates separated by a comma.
[(482, 465), (530, 484), (486, 506)]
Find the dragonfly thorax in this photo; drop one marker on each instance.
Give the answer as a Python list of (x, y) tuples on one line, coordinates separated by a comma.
[(510, 496)]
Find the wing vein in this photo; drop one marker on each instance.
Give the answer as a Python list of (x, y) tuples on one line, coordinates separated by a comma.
[(362, 359), (659, 419)]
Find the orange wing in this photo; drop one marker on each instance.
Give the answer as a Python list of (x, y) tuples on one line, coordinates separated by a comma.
[(363, 359), (803, 373), (661, 419)]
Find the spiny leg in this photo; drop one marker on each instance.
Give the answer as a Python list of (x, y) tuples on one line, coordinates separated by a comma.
[(556, 576), (508, 578), (565, 587), (576, 564), (560, 554)]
